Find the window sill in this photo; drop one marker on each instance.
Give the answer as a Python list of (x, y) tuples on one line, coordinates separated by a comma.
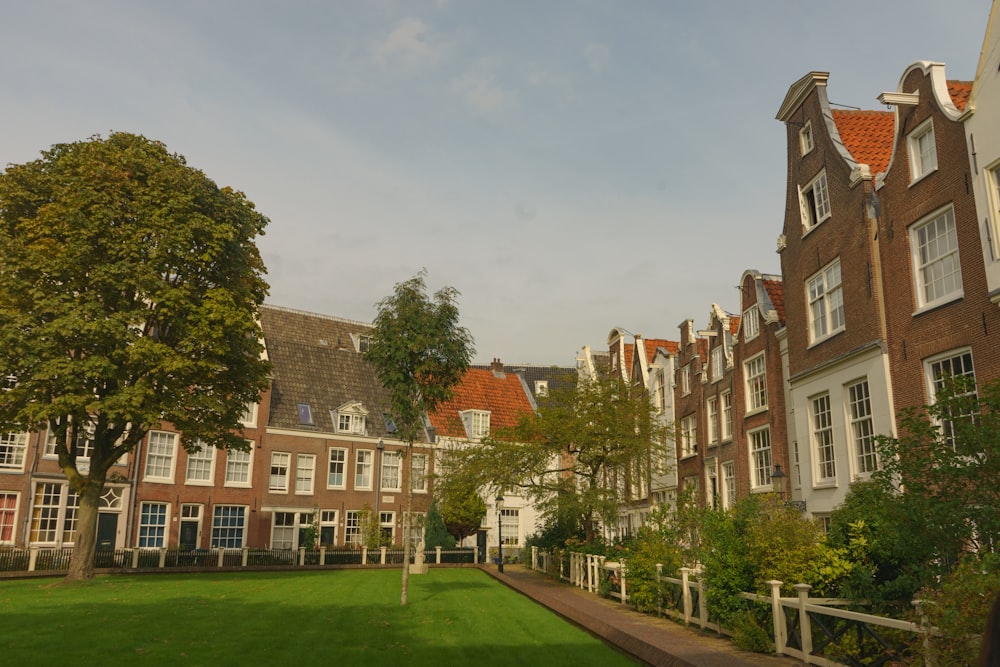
[(940, 303), (820, 341), (692, 455), (755, 411), (806, 231), (825, 484), (916, 179)]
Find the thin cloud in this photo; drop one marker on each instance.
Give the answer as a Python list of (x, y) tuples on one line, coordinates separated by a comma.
[(597, 56), (408, 45), (482, 92)]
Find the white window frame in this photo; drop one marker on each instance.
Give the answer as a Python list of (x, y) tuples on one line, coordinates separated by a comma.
[(814, 202), (823, 441), (751, 323), (689, 435), (249, 418), (284, 529), (859, 410), (329, 522), (352, 528), (13, 451), (992, 176), (712, 413), (806, 141), (755, 383), (510, 526), (54, 514), (332, 463), (953, 363), (387, 527), (476, 422), (239, 468), (761, 463), (348, 422), (686, 379), (718, 362), (419, 467), (10, 502), (305, 473), (203, 476), (229, 526), (160, 464), (922, 149), (936, 261), (153, 529), (825, 296), (392, 463), (363, 466), (728, 487), (726, 398), (277, 479)]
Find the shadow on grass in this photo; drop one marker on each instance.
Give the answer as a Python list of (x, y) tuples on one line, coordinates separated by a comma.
[(455, 617)]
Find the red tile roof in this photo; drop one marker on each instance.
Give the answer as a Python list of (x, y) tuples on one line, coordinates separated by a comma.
[(867, 135), (960, 92), (628, 351), (653, 343), (776, 291), (734, 324), (502, 394)]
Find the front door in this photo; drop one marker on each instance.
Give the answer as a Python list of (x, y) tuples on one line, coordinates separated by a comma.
[(188, 535), (107, 530)]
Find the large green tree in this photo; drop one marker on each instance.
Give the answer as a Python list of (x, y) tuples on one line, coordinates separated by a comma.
[(462, 507), (129, 288), (420, 352), (580, 457)]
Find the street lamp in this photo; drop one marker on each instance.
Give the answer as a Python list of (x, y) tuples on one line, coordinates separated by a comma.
[(378, 487), (499, 502), (779, 480)]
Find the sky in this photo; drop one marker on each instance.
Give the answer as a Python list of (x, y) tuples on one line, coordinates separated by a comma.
[(568, 166)]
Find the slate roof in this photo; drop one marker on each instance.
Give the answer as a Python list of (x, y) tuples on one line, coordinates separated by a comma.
[(314, 362), (504, 395), (557, 377), (867, 135)]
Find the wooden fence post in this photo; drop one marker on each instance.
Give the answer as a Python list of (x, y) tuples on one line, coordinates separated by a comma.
[(805, 626), (437, 555), (686, 593), (778, 617), (322, 555), (246, 556), (163, 558)]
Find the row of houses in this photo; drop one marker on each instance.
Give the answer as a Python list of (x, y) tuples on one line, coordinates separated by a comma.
[(890, 283), (322, 455)]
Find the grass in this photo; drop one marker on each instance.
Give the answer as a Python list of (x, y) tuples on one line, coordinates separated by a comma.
[(342, 617)]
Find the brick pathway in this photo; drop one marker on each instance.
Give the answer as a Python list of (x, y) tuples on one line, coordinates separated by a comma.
[(655, 641)]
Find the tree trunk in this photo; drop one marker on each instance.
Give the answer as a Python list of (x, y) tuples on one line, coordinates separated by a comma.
[(407, 524), (81, 564)]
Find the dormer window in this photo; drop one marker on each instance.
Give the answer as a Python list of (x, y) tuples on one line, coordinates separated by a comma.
[(361, 342), (351, 417), (477, 423), (541, 387)]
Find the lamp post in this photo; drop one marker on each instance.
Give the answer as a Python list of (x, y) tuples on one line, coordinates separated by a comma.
[(378, 488), (780, 482), (499, 502)]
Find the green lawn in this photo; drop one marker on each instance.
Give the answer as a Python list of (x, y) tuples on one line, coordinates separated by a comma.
[(339, 617)]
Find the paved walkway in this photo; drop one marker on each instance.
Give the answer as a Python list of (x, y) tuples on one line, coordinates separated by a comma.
[(655, 641)]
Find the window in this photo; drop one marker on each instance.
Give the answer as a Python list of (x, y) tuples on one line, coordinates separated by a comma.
[(84, 443), (278, 481), (689, 435), (936, 268), (364, 342), (686, 380), (760, 457), (718, 363), (152, 526), (727, 415), (305, 469), (510, 526), (352, 528), (477, 423), (944, 368), (712, 485), (349, 423), (712, 408), (390, 471), (335, 474), (756, 383), (419, 466), (8, 514), (199, 465), (923, 153), (12, 449), (992, 176), (728, 484), (806, 138), (386, 526), (228, 526), (814, 202), (826, 303), (53, 514), (249, 417), (750, 323), (541, 387), (822, 433), (363, 469), (238, 467), (859, 400), (160, 456), (283, 530), (305, 413)]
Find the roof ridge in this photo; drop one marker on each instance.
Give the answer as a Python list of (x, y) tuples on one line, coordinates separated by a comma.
[(316, 315)]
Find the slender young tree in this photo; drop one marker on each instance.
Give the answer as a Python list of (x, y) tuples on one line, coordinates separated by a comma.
[(419, 352), (129, 289)]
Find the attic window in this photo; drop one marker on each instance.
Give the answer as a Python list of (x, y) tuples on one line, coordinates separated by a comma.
[(361, 342), (390, 425), (541, 387), (477, 423), (350, 417), (806, 138), (305, 413)]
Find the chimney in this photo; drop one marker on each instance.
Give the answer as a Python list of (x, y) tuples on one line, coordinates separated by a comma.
[(496, 366)]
